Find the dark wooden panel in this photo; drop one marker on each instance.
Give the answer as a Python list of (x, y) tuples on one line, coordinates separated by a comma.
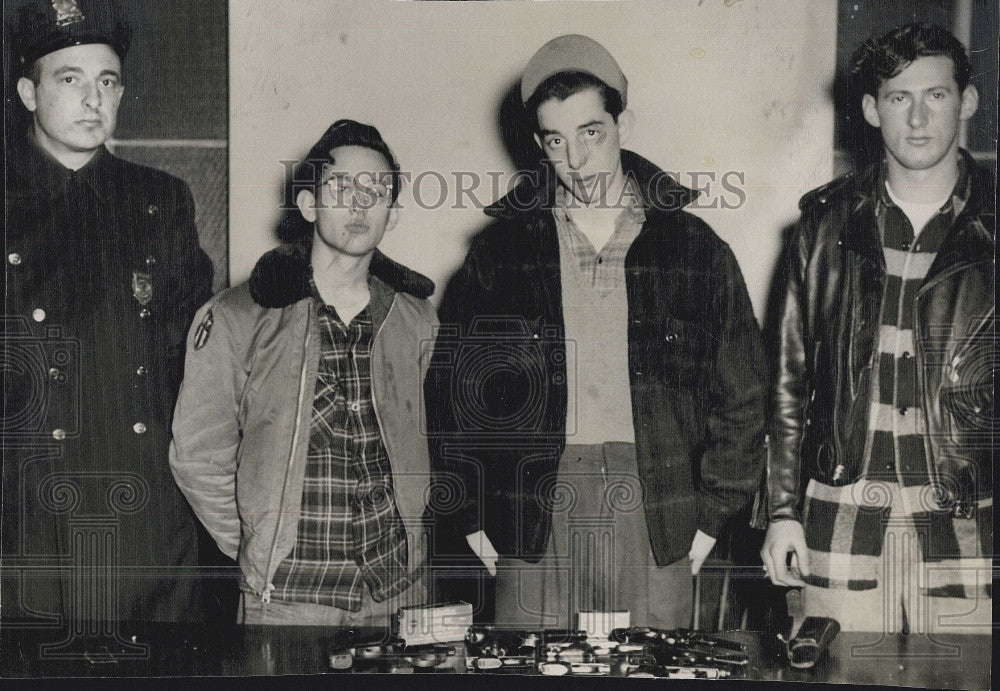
[(176, 73), (205, 170), (983, 128)]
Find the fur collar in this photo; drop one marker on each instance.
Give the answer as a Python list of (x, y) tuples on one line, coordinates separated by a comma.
[(281, 276)]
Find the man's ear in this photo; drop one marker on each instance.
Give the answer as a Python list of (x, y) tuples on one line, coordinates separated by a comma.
[(626, 126), (970, 102), (870, 111), (306, 201), (26, 90), (393, 218)]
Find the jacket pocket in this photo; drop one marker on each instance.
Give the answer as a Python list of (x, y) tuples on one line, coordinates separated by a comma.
[(817, 450), (687, 350)]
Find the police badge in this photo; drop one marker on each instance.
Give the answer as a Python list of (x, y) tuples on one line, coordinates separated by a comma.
[(142, 287)]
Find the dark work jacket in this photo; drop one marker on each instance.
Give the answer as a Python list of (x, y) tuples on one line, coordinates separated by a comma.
[(829, 325), (497, 395), (103, 276)]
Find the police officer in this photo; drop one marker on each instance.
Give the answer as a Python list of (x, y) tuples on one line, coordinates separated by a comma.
[(103, 276)]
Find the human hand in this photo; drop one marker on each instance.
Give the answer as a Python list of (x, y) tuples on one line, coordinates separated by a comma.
[(483, 548), (700, 548), (784, 537)]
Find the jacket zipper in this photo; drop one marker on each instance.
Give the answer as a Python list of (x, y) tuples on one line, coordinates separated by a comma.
[(928, 457), (266, 595), (837, 461), (378, 418), (839, 467)]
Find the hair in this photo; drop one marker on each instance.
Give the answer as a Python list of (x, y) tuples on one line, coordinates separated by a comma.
[(347, 133), (883, 57), (562, 85), (308, 174), (34, 73)]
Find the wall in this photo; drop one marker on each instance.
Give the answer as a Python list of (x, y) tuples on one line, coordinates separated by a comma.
[(717, 86)]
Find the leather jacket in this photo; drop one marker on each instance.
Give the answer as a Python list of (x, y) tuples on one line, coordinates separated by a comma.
[(828, 337)]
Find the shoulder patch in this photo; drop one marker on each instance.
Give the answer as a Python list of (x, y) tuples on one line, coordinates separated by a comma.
[(204, 331)]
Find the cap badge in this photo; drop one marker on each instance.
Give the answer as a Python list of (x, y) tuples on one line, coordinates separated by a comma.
[(67, 12)]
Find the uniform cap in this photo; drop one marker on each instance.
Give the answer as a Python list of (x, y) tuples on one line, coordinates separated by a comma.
[(40, 27), (575, 53)]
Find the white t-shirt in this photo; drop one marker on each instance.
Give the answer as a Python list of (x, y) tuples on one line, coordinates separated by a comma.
[(918, 212)]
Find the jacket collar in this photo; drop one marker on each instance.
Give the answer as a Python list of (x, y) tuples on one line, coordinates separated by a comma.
[(972, 233), (282, 276), (42, 175), (660, 193)]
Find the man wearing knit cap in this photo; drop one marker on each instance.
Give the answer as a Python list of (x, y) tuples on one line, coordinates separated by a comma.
[(103, 276), (613, 421)]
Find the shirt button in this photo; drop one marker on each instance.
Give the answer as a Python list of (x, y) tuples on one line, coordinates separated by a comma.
[(671, 337), (144, 313), (150, 260), (141, 371), (58, 434), (902, 411), (14, 258), (57, 375), (38, 314), (151, 209), (355, 407), (139, 428), (953, 376), (906, 246)]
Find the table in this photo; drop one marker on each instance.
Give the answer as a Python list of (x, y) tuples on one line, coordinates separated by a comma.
[(166, 650)]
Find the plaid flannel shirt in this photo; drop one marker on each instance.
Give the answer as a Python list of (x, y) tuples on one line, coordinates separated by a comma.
[(350, 534)]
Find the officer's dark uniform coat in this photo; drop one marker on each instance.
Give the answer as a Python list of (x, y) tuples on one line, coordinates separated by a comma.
[(103, 276)]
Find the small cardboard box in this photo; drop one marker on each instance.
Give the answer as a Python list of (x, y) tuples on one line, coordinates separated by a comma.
[(600, 624), (439, 623)]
